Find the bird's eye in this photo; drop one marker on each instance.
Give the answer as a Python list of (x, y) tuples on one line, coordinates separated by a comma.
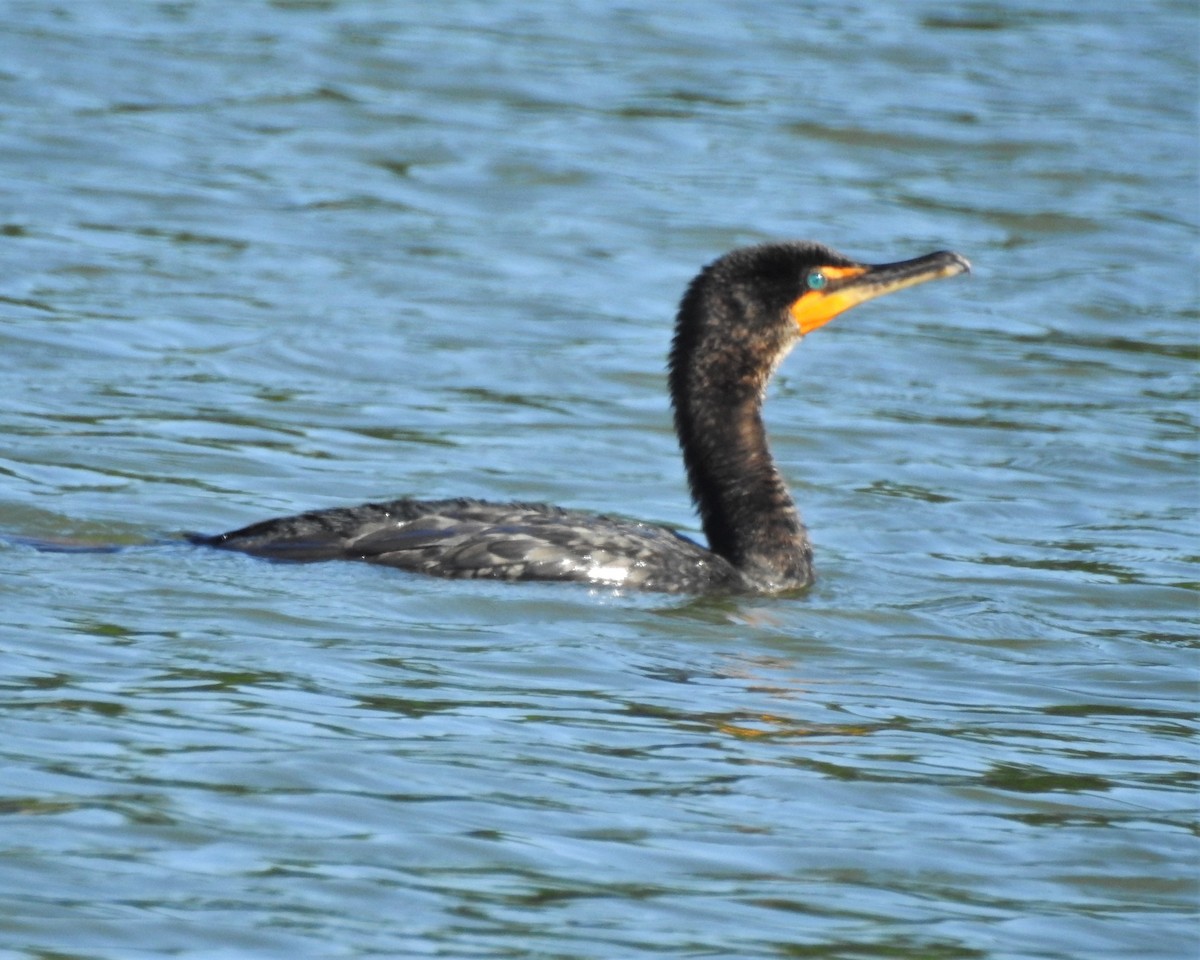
[(815, 280)]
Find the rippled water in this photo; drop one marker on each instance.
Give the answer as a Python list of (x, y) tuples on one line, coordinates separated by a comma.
[(271, 256)]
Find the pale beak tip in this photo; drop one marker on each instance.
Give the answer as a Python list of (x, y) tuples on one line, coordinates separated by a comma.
[(961, 263)]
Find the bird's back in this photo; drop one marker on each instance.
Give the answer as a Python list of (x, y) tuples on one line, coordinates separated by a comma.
[(506, 541)]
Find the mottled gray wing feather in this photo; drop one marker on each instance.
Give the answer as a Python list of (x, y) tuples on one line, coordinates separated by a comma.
[(469, 538)]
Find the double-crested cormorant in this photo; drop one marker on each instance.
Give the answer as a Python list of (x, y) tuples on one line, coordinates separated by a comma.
[(738, 319)]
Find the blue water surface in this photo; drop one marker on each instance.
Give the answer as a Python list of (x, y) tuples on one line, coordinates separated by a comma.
[(272, 256)]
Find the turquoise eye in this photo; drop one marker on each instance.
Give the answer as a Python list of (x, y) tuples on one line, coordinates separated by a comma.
[(816, 280)]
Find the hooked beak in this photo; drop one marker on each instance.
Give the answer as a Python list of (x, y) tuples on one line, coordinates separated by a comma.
[(847, 287)]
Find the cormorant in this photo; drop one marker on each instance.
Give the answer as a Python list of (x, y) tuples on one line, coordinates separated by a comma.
[(738, 319)]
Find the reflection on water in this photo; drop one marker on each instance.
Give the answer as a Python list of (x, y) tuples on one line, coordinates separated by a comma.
[(309, 254)]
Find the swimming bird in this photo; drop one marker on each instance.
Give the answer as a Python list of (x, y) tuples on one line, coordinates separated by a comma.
[(738, 319)]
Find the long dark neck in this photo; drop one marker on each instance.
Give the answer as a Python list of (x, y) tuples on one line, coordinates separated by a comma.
[(731, 331), (748, 515)]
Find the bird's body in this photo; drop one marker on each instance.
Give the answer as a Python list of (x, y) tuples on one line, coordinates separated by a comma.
[(738, 319), (508, 541)]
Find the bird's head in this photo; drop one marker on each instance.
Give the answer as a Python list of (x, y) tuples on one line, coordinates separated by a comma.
[(744, 311)]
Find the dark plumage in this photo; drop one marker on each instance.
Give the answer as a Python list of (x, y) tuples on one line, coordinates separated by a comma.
[(738, 319)]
